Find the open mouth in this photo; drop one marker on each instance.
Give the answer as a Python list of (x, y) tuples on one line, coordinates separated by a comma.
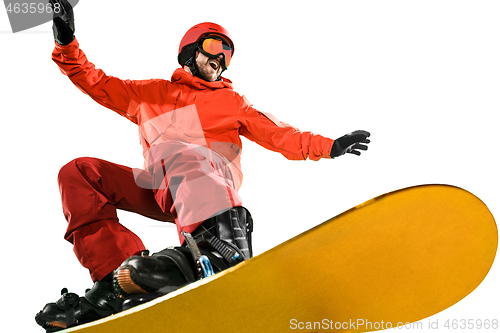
[(214, 64)]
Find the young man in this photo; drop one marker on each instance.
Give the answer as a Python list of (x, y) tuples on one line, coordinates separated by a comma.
[(190, 131)]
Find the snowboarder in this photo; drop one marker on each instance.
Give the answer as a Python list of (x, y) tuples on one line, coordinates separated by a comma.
[(190, 131)]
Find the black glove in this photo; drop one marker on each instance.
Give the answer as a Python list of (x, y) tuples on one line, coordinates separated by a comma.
[(63, 21), (350, 143)]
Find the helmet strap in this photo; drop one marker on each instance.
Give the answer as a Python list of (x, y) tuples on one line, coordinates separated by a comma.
[(193, 68)]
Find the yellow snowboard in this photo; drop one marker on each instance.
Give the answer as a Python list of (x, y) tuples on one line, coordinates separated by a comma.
[(395, 259)]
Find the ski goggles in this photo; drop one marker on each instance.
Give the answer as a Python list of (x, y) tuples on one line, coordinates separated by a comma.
[(214, 47)]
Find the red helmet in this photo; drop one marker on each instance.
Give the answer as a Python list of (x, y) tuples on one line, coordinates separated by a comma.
[(201, 30)]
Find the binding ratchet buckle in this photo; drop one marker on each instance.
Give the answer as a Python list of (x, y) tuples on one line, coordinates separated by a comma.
[(203, 264)]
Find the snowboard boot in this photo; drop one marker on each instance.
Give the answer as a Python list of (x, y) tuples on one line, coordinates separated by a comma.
[(71, 310), (224, 239), (158, 274), (141, 279)]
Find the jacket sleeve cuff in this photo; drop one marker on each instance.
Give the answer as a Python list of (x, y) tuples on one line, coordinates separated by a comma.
[(66, 49), (328, 153)]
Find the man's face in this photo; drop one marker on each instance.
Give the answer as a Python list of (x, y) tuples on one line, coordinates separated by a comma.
[(209, 68)]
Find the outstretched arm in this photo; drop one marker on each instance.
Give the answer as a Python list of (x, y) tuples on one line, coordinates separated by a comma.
[(269, 132), (277, 136)]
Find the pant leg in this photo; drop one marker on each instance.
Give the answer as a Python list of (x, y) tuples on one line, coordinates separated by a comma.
[(91, 191)]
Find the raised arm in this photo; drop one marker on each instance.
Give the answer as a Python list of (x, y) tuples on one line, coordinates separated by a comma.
[(121, 96)]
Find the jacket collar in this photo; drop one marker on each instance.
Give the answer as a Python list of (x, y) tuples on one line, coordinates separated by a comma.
[(183, 77)]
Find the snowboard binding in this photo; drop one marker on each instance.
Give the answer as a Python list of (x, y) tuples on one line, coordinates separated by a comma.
[(219, 243)]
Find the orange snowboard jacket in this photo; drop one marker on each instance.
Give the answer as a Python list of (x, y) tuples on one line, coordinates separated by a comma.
[(190, 109)]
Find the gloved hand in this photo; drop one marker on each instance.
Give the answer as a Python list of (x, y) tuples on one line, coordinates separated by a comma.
[(63, 21), (350, 143)]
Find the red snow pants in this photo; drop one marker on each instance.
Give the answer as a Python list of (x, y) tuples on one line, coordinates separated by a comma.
[(185, 186)]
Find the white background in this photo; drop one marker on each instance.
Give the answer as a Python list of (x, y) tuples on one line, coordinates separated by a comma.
[(422, 76)]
